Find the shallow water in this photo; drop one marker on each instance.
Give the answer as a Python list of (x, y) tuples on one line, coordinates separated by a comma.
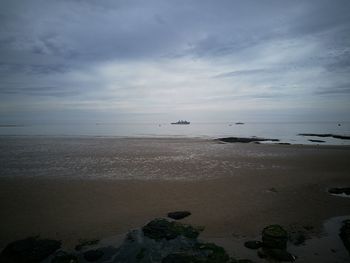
[(327, 248), (286, 132)]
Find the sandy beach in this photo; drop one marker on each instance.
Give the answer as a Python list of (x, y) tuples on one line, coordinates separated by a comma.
[(234, 190)]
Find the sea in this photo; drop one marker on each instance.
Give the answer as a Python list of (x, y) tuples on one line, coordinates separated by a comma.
[(285, 132)]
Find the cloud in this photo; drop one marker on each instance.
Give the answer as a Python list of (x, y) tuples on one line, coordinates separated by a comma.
[(157, 57)]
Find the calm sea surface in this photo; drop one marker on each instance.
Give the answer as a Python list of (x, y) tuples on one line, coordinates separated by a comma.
[(285, 132)]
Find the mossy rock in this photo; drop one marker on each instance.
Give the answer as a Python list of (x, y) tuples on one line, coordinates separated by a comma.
[(213, 253), (163, 229), (85, 243), (274, 236), (279, 255)]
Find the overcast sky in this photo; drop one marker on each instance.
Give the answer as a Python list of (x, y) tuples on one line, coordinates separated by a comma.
[(162, 60)]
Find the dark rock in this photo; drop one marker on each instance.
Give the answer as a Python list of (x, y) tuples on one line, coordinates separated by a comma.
[(161, 228), (345, 234), (64, 257), (279, 254), (31, 249), (326, 135), (253, 244), (245, 140), (316, 141), (244, 261), (343, 190), (85, 243), (179, 214), (284, 143), (274, 236), (93, 255)]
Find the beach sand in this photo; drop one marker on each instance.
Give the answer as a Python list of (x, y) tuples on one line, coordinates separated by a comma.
[(234, 190)]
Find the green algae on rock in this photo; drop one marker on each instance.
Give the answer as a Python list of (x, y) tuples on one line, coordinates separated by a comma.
[(161, 228), (274, 236), (85, 243)]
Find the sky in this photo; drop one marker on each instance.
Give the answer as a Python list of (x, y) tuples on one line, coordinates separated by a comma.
[(162, 60)]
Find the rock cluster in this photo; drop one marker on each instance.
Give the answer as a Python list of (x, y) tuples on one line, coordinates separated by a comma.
[(31, 249)]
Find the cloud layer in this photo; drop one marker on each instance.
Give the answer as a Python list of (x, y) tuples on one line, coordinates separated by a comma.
[(158, 60)]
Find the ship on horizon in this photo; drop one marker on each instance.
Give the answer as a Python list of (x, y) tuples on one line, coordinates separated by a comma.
[(181, 122)]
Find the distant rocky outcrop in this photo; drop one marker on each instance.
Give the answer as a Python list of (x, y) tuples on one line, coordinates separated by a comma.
[(311, 140), (245, 140), (342, 137)]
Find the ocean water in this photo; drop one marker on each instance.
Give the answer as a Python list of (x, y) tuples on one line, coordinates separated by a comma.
[(286, 132)]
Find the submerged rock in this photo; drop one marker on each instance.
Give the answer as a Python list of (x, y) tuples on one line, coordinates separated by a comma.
[(274, 236), (345, 234), (31, 249), (179, 214)]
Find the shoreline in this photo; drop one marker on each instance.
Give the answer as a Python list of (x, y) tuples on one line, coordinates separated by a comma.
[(204, 138)]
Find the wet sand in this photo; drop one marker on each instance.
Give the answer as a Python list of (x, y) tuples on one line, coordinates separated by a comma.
[(267, 184)]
